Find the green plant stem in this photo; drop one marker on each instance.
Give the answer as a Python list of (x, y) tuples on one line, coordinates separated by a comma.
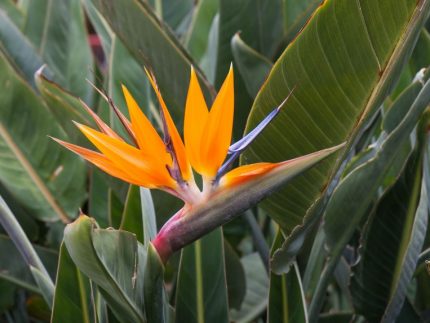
[(318, 297), (15, 232), (258, 238)]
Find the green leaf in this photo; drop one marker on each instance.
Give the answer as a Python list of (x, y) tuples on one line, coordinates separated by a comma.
[(40, 174), (259, 24), (131, 219), (165, 205), (397, 226), (57, 30), (296, 14), (26, 221), (420, 56), (354, 195), (361, 185), (408, 313), (420, 59), (286, 297), (156, 304), (98, 197), (72, 292), (315, 264), (18, 49), (257, 291), (196, 39), (341, 77), (123, 69), (148, 215), (339, 317), (65, 107), (14, 269), (201, 292), (177, 14), (113, 260), (45, 285), (253, 66), (13, 12), (235, 276), (152, 45)]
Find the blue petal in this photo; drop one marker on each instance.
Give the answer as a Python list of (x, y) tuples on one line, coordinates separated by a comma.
[(238, 147), (243, 143)]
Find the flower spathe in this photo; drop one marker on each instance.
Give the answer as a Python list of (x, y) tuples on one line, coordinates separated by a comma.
[(168, 163)]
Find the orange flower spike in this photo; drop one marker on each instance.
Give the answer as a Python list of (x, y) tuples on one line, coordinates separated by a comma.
[(130, 159), (247, 172), (172, 133), (100, 123), (146, 136), (196, 115), (218, 128), (101, 162)]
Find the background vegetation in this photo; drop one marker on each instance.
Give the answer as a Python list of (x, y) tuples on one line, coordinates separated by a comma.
[(345, 241)]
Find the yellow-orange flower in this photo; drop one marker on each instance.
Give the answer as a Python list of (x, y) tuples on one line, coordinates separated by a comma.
[(168, 163)]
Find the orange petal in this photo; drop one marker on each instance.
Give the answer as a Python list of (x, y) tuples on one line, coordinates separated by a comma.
[(178, 145), (247, 172), (147, 137), (218, 128), (102, 126), (129, 159), (101, 162), (196, 114)]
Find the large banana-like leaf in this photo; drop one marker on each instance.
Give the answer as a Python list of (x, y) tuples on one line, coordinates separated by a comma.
[(252, 66), (153, 45), (201, 292), (397, 227), (42, 176), (354, 195), (130, 219), (64, 107), (296, 13), (13, 267), (155, 298), (357, 190), (257, 290), (122, 70), (286, 296), (114, 261), (342, 65), (57, 30), (18, 49), (13, 11), (196, 39), (259, 24), (72, 292)]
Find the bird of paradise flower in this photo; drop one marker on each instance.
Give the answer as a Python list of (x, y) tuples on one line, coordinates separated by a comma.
[(167, 164)]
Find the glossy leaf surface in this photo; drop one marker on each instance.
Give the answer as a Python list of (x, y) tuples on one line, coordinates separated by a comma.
[(41, 175), (333, 95)]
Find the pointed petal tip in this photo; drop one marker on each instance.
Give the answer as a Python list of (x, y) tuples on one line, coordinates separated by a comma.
[(124, 89), (59, 141), (40, 70), (283, 103), (78, 125)]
